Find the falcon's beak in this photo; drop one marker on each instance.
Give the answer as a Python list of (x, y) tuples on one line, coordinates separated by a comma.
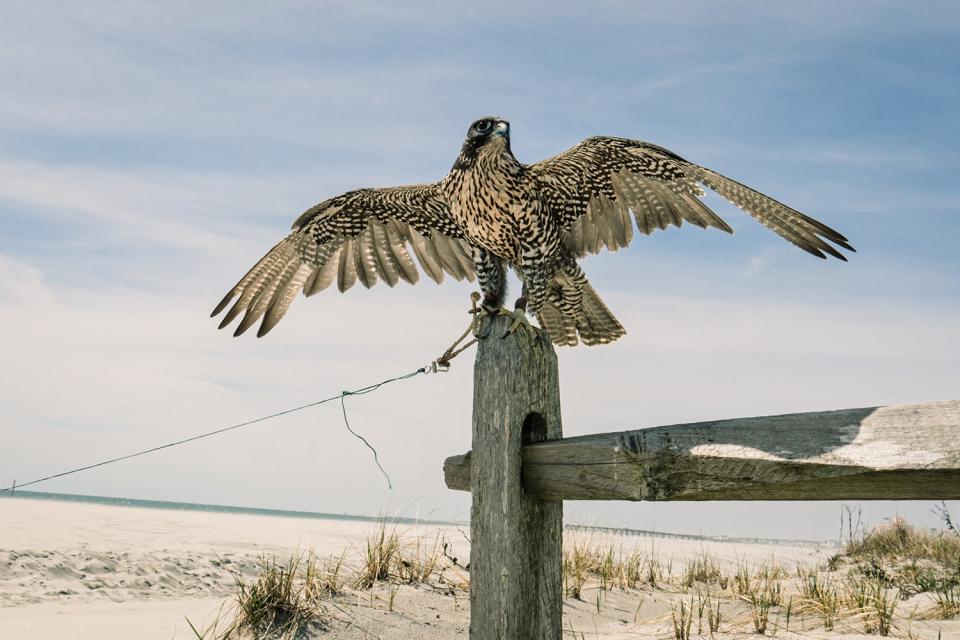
[(502, 129)]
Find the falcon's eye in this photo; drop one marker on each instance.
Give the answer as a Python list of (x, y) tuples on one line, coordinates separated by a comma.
[(484, 125)]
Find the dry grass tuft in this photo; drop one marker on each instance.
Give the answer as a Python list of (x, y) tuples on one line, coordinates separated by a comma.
[(387, 559), (883, 609), (325, 581), (947, 601), (284, 601), (762, 592), (576, 567), (278, 603), (585, 559), (417, 561), (704, 570), (380, 553), (820, 595), (682, 616), (714, 617)]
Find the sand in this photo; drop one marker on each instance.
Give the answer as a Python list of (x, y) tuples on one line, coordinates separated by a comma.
[(88, 571)]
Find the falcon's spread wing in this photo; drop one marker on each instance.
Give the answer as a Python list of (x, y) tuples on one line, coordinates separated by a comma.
[(594, 186), (360, 235)]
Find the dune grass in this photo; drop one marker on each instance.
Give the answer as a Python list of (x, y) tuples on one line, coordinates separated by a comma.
[(862, 589), (899, 540), (284, 601), (291, 598), (910, 561)]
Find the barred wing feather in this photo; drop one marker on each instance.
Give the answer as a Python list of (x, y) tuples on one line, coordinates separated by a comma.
[(595, 186), (361, 236)]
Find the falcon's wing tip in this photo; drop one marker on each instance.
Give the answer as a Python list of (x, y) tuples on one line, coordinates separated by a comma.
[(836, 254), (833, 253), (222, 305), (266, 327)]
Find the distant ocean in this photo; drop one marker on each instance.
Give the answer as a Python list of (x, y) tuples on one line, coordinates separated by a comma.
[(215, 508), (284, 513)]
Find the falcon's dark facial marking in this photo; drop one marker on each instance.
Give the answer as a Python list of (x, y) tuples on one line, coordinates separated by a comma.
[(480, 133)]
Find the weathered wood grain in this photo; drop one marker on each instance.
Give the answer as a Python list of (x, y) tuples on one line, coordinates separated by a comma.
[(515, 554), (880, 453)]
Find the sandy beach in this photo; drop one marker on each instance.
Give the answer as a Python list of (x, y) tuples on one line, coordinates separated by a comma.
[(82, 570), (89, 571)]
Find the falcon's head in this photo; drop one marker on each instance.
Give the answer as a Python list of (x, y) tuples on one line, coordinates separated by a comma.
[(488, 129), (489, 134)]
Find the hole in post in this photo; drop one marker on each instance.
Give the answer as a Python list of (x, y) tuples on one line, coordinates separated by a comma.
[(534, 428)]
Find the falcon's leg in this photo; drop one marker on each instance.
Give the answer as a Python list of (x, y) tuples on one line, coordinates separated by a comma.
[(491, 275), (534, 294), (535, 286)]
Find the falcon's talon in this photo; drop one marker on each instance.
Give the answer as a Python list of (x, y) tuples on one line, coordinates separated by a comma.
[(488, 313), (520, 321)]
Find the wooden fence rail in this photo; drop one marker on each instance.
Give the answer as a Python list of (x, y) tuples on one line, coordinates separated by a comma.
[(907, 452), (520, 469)]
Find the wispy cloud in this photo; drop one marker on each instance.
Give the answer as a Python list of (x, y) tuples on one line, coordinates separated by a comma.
[(175, 207), (22, 284)]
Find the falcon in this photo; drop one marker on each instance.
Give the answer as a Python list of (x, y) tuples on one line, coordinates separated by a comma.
[(492, 212)]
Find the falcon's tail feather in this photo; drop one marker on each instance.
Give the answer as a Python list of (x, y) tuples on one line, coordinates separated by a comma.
[(597, 325), (593, 323)]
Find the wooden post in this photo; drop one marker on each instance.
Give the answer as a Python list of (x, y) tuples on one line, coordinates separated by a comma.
[(515, 546)]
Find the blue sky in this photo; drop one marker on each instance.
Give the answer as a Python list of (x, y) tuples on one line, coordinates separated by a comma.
[(149, 154)]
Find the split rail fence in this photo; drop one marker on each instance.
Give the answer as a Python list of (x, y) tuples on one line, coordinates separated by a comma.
[(520, 470)]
